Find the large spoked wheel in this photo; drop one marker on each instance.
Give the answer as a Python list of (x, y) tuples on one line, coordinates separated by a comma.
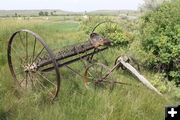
[(97, 75), (106, 29), (26, 50)]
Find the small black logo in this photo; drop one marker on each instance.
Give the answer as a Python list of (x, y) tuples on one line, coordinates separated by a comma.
[(172, 112)]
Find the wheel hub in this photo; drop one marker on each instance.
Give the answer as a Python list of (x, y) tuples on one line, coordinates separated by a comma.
[(30, 68)]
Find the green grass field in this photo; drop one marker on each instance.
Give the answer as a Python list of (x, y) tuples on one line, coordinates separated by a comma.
[(75, 102)]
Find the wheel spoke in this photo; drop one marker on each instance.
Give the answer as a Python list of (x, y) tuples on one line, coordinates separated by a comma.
[(17, 45), (26, 48), (45, 78), (21, 65), (26, 79), (94, 71), (21, 81), (37, 82), (43, 85), (34, 49), (16, 53), (90, 76), (32, 80), (38, 54), (21, 40)]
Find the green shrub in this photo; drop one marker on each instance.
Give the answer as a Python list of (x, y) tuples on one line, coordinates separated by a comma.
[(116, 32), (160, 34)]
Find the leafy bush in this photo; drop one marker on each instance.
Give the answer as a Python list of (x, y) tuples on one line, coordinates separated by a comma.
[(160, 34), (117, 32)]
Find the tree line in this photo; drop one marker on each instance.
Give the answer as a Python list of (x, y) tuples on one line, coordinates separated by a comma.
[(45, 13)]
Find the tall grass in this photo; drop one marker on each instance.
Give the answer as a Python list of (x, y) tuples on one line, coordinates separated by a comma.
[(75, 102)]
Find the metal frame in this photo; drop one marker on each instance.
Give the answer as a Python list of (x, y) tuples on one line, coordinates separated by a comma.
[(78, 52)]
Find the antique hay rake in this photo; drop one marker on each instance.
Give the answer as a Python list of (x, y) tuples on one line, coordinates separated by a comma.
[(35, 66)]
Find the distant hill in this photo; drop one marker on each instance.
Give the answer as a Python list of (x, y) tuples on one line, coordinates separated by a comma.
[(4, 13), (112, 12), (33, 12)]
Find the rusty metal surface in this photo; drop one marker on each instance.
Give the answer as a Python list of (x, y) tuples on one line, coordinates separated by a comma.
[(73, 60), (26, 64), (73, 50)]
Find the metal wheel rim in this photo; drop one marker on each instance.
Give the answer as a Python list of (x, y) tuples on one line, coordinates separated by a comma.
[(86, 72), (49, 51)]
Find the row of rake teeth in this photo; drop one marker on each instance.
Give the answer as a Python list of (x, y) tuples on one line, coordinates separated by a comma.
[(76, 48)]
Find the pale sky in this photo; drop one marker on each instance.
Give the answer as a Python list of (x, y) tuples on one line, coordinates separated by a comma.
[(70, 5)]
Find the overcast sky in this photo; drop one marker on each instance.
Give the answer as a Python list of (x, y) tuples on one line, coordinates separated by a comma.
[(70, 5)]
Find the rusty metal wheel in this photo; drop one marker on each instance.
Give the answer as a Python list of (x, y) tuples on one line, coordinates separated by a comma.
[(97, 75), (26, 50), (106, 30), (111, 29), (104, 26)]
